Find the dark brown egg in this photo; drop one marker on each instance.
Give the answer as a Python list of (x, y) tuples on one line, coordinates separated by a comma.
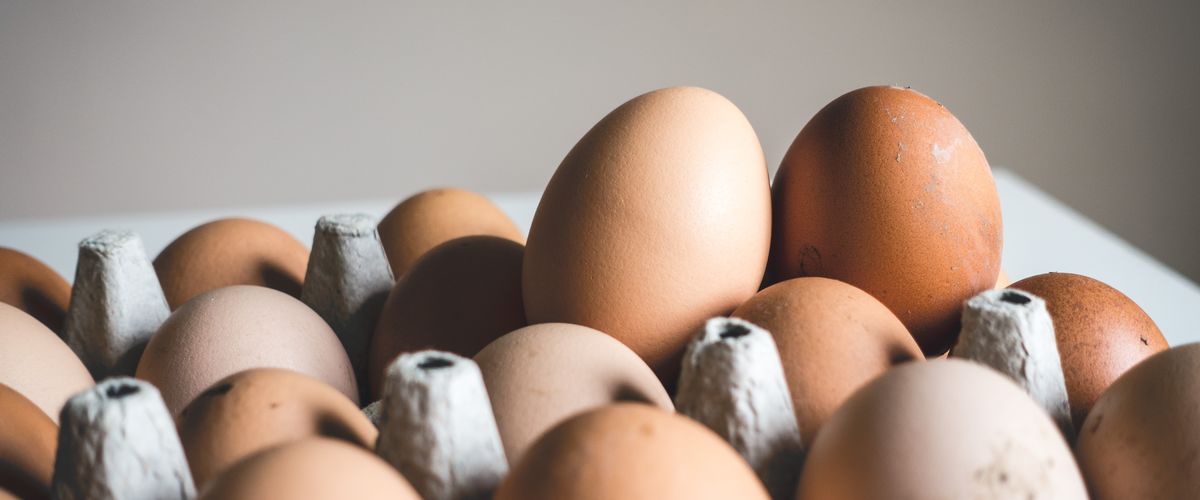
[(260, 408), (31, 286), (459, 297), (230, 252), (886, 190), (833, 338), (430, 218), (1101, 333), (28, 439)]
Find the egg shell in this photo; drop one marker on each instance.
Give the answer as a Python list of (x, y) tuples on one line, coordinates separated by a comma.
[(231, 329), (1100, 334), (230, 252), (28, 439), (832, 337), (942, 429), (430, 218), (31, 286), (1141, 438), (658, 219), (458, 298), (260, 408), (630, 451), (886, 190), (311, 469), (543, 374), (38, 364)]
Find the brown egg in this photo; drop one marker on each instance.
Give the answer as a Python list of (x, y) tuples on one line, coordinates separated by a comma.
[(886, 190), (430, 218), (31, 286), (1141, 439), (833, 338), (658, 219), (311, 469), (1100, 332), (1002, 281), (228, 330), (459, 297), (543, 374), (28, 439), (942, 429), (630, 451), (38, 364), (229, 252), (256, 409)]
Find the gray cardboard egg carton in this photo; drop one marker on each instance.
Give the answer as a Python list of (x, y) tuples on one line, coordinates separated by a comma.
[(436, 422)]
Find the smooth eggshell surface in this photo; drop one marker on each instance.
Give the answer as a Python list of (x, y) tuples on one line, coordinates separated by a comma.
[(1100, 333), (631, 451), (28, 439), (311, 469), (228, 330), (260, 408), (31, 286), (543, 374), (886, 190), (1141, 439), (430, 218), (832, 337), (941, 429), (459, 297), (38, 364), (230, 252), (658, 219)]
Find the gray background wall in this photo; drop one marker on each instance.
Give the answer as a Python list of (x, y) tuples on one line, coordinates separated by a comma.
[(119, 106)]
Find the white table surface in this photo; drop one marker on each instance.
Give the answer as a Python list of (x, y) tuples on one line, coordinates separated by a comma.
[(1040, 235)]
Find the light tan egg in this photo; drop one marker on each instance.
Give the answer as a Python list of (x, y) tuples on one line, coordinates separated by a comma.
[(31, 286), (543, 374), (230, 252), (430, 218), (38, 364)]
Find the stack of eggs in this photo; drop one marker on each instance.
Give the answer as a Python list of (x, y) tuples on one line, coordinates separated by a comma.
[(674, 327)]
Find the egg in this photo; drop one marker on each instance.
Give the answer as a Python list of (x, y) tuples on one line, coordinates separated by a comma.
[(311, 469), (941, 429), (1140, 439), (38, 364), (658, 219), (31, 286), (259, 408), (228, 330), (458, 298), (886, 190), (1002, 280), (543, 374), (430, 218), (1100, 333), (832, 337), (28, 439), (630, 451), (229, 252)]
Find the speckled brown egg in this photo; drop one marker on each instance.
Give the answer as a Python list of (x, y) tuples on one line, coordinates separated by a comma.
[(1101, 333), (231, 329), (311, 469), (260, 408), (38, 364), (430, 218), (630, 451), (31, 286), (28, 439), (942, 429), (658, 219), (886, 190), (231, 252), (832, 337), (1141, 439), (543, 374), (459, 297)]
